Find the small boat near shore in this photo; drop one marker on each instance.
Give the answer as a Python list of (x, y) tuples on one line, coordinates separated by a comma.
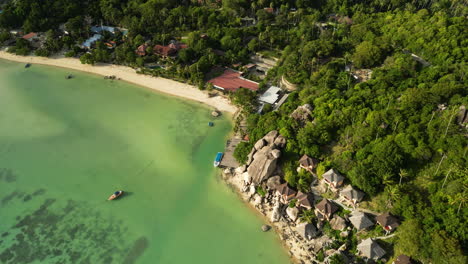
[(27, 65), (115, 195), (218, 159), (69, 77)]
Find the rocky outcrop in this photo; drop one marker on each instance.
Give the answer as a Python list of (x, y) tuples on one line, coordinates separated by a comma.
[(266, 228), (302, 113), (262, 160), (292, 213), (273, 181), (462, 117)]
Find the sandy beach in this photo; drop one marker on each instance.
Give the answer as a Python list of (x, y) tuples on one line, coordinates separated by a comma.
[(128, 74)]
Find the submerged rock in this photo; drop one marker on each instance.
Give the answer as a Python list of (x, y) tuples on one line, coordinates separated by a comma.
[(266, 228)]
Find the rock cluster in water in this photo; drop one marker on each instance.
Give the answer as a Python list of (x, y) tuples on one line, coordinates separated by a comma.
[(262, 160)]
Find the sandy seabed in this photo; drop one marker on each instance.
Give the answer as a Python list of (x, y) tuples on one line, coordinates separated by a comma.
[(128, 74)]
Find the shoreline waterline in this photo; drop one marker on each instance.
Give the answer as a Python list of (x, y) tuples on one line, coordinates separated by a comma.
[(127, 74), (80, 140)]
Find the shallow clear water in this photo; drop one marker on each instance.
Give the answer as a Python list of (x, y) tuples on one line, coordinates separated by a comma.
[(66, 145)]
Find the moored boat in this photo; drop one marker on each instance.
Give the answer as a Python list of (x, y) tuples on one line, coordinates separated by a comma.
[(218, 159), (27, 65), (115, 195)]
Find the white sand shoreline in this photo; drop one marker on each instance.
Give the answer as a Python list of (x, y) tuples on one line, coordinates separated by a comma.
[(128, 74)]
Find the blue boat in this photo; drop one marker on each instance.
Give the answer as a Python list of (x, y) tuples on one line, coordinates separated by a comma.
[(218, 159), (210, 124)]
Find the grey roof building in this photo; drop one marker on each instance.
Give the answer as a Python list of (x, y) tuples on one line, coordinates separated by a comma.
[(325, 209), (286, 193), (305, 200), (308, 163), (360, 221), (387, 221), (333, 178), (351, 195), (370, 249)]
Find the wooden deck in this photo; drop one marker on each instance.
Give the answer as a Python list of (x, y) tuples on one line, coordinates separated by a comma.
[(228, 160)]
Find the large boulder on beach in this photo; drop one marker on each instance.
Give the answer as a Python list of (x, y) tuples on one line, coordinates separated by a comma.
[(262, 160), (280, 141), (292, 213), (263, 165), (260, 144), (271, 136), (273, 181), (276, 214), (250, 156)]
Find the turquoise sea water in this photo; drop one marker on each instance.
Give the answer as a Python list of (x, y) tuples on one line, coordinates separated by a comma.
[(66, 145)]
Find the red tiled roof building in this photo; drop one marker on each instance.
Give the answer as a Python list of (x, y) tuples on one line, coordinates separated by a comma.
[(231, 80)]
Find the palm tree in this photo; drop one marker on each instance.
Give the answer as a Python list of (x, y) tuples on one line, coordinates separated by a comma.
[(307, 216), (459, 198), (393, 194), (403, 174), (387, 179)]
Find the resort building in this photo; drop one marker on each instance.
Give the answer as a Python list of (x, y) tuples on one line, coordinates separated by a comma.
[(89, 42), (141, 50), (286, 193), (387, 221), (100, 29), (325, 209), (270, 96), (308, 163), (30, 36), (232, 80), (360, 221), (169, 50), (351, 195), (402, 259), (307, 231), (370, 249), (305, 200), (333, 179)]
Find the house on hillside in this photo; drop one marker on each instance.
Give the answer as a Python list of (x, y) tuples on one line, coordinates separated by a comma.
[(141, 50), (360, 220), (270, 96), (387, 221), (232, 80), (16, 32), (89, 42), (35, 39), (333, 179), (100, 29), (32, 36), (351, 196), (370, 249), (325, 209), (402, 259), (305, 200), (286, 193), (169, 50), (307, 231), (308, 163)]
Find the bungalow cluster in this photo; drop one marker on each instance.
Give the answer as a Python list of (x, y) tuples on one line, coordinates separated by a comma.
[(339, 211)]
